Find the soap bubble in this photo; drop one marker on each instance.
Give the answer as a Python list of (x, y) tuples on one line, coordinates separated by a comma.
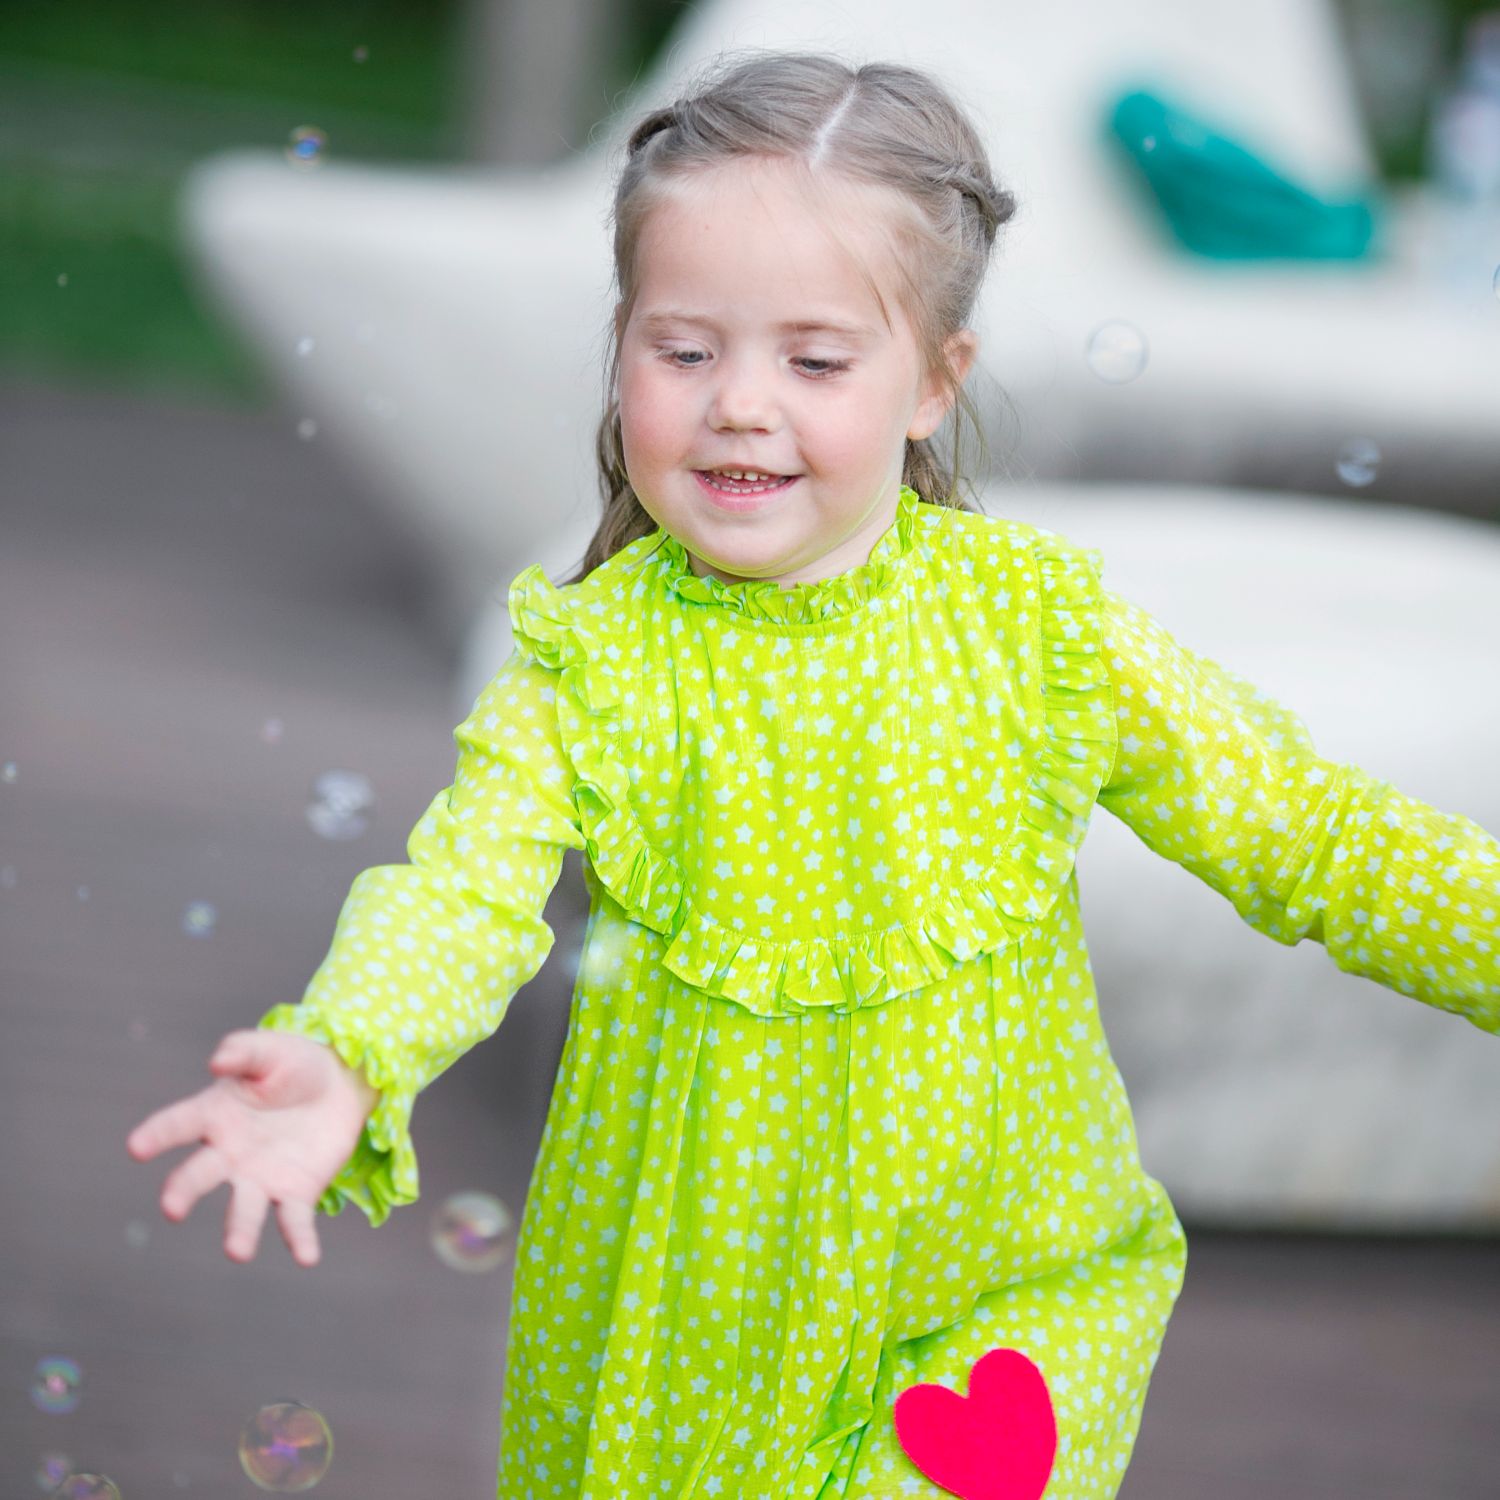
[(341, 805), (1496, 283), (137, 1235), (473, 1232), (8, 877), (8, 771), (1117, 352), (305, 148), (55, 1385), (83, 893), (51, 1470), (62, 278), (361, 54), (271, 731), (198, 919), (87, 1487), (138, 1031), (1358, 462), (286, 1447), (307, 429), (1148, 143), (305, 346)]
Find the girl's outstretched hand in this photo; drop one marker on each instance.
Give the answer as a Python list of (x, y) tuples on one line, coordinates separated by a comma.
[(281, 1118)]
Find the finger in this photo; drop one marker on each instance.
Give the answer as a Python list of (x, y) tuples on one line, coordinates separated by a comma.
[(240, 1052), (243, 1221), (175, 1125), (201, 1173), (298, 1222)]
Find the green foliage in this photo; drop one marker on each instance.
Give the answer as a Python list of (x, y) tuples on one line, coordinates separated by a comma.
[(108, 102)]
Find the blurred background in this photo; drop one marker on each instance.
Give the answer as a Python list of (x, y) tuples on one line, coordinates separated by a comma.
[(232, 650)]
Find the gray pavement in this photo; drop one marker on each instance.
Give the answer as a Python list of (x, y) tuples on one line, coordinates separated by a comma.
[(173, 576)]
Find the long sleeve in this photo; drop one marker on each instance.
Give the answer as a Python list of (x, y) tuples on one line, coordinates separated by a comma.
[(426, 956), (1225, 781)]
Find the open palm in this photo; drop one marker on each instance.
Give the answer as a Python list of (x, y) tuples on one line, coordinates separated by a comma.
[(280, 1119)]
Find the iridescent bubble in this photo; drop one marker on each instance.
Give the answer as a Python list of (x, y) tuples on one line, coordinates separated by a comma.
[(56, 1385), (361, 54), (473, 1232), (381, 405), (8, 771), (1117, 352), (1358, 462), (1496, 282), (138, 1031), (345, 789), (137, 1235), (51, 1470), (286, 1447), (305, 346), (180, 1479), (305, 148), (307, 429), (87, 1487), (270, 732), (83, 893), (1148, 143), (342, 804), (8, 877), (198, 919)]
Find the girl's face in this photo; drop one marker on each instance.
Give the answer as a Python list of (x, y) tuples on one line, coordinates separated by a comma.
[(755, 345)]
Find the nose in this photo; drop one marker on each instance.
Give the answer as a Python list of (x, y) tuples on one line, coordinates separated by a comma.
[(743, 397)]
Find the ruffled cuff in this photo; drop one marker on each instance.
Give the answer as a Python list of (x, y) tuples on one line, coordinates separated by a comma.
[(381, 1174)]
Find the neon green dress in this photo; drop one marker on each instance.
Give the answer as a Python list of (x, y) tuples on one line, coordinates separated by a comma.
[(835, 1114)]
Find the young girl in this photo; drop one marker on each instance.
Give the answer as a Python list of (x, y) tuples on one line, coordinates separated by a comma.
[(839, 1191)]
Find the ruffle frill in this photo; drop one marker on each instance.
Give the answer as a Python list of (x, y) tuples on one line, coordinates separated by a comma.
[(381, 1173), (799, 603), (849, 970)]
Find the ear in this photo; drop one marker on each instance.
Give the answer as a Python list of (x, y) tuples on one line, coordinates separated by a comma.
[(959, 353)]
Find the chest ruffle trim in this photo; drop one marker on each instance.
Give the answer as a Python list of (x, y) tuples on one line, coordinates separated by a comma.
[(858, 967)]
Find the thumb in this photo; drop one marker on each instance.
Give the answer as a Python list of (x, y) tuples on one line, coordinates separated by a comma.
[(240, 1052)]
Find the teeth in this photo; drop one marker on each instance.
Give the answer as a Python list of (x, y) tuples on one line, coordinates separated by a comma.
[(751, 474)]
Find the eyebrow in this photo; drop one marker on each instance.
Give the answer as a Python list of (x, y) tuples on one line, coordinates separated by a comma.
[(664, 316)]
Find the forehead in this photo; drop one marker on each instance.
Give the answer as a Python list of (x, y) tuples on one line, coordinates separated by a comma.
[(771, 238)]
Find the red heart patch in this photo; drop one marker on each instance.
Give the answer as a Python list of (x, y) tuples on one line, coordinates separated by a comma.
[(996, 1443)]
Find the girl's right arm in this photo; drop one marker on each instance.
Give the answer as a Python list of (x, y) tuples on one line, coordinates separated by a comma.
[(312, 1107), (426, 956)]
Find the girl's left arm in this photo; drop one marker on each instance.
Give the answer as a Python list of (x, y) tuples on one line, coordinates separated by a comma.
[(1225, 781)]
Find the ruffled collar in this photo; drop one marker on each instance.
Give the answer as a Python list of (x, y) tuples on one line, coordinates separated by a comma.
[(821, 599)]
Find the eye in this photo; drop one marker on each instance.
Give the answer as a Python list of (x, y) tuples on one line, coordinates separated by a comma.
[(820, 369), (684, 358)]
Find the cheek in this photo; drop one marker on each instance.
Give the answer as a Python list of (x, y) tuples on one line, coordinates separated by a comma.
[(849, 434), (650, 421)]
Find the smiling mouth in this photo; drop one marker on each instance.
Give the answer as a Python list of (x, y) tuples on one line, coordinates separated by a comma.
[(743, 481)]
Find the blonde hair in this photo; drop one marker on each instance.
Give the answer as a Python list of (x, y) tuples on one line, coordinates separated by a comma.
[(883, 124)]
